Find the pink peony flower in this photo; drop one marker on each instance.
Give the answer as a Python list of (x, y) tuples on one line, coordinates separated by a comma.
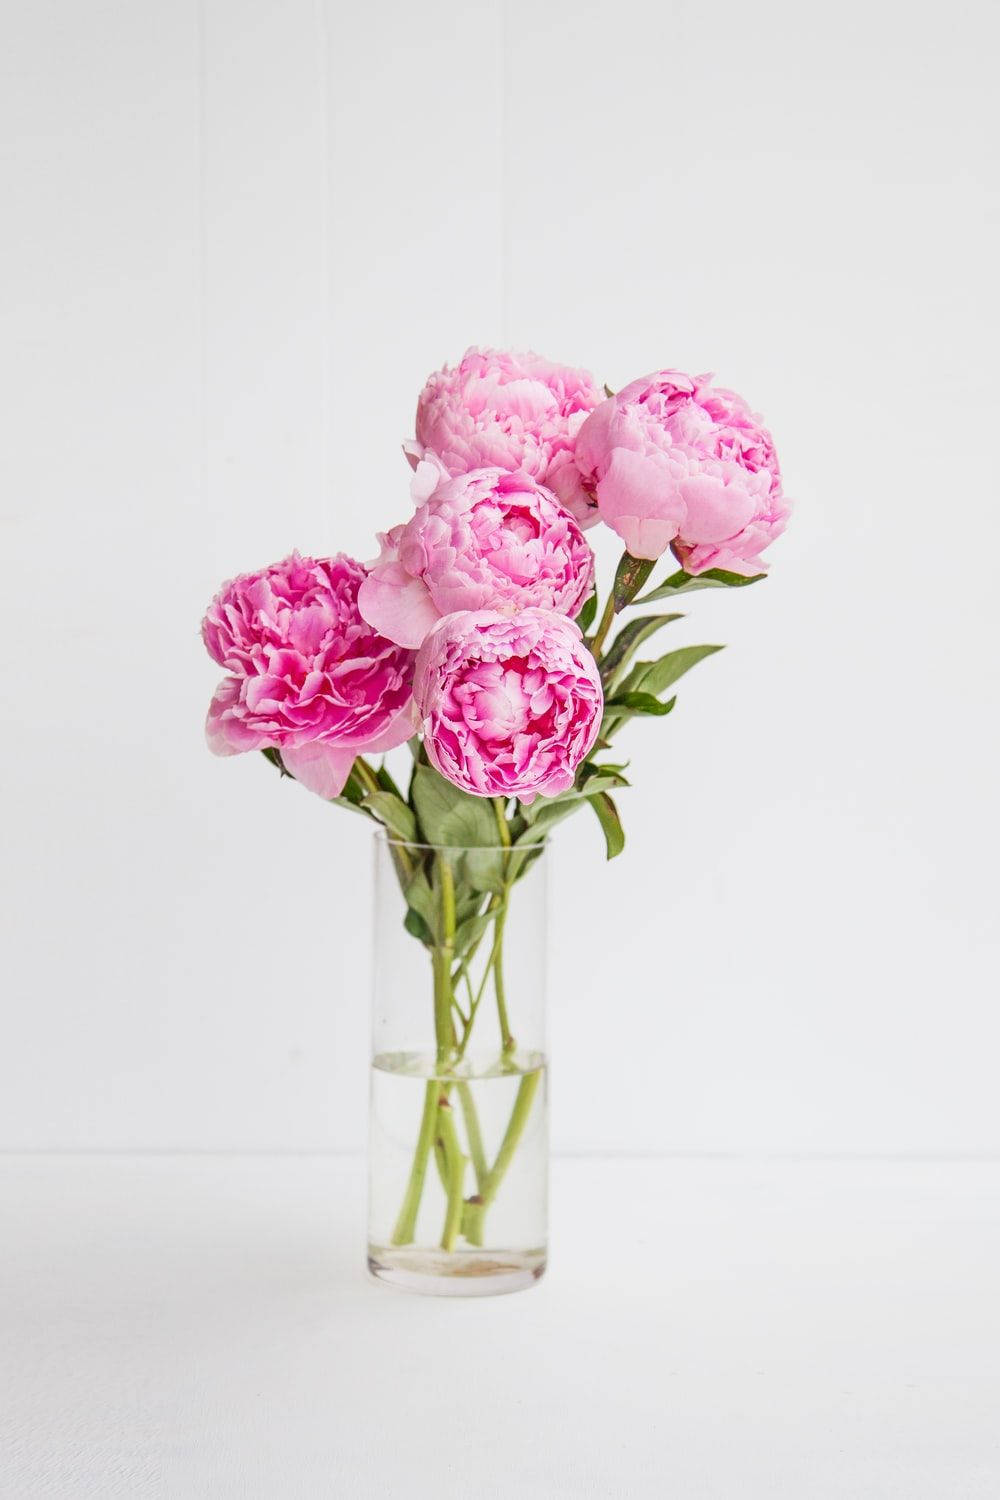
[(509, 411), (307, 676), (509, 707), (673, 461), (485, 540)]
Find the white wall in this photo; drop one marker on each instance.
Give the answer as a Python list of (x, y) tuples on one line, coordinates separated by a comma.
[(237, 238)]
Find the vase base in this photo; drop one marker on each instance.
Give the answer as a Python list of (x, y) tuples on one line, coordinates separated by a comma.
[(456, 1273)]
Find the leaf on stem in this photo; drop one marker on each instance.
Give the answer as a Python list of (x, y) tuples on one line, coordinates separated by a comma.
[(630, 576), (392, 812), (642, 703), (471, 930), (354, 790), (274, 756), (611, 824), (551, 812), (587, 614), (422, 903), (417, 927), (654, 676), (486, 869), (386, 782), (627, 642), (447, 815), (688, 583)]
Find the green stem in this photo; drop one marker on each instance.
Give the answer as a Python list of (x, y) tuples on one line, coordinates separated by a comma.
[(435, 1098), (500, 813), (407, 1222), (365, 774), (441, 1162), (455, 1163), (475, 1209), (473, 1134), (498, 982), (441, 962), (601, 636), (474, 999)]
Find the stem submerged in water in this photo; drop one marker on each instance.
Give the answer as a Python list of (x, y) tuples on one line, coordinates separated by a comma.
[(437, 1129), (475, 1208), (407, 1222), (438, 1133), (496, 959)]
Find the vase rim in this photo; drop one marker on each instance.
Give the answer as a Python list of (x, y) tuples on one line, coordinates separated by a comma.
[(381, 835)]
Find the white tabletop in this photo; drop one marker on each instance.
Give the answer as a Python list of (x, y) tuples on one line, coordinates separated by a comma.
[(188, 1326)]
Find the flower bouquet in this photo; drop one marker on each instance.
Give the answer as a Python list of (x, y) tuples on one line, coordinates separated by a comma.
[(478, 638)]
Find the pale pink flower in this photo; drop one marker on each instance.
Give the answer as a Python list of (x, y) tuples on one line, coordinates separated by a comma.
[(673, 461), (307, 675), (484, 540), (508, 707), (508, 411)]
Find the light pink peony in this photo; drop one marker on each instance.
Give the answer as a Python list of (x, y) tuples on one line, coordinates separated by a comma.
[(509, 411), (308, 676), (508, 707), (673, 461), (485, 540)]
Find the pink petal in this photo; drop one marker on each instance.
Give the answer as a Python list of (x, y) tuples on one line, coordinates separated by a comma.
[(715, 510), (225, 735), (639, 498), (322, 768), (397, 605), (402, 728)]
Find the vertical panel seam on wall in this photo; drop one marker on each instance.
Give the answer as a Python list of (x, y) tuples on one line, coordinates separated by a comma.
[(202, 459), (326, 269), (505, 229)]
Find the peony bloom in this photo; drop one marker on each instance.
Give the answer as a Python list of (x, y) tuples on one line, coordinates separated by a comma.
[(485, 540), (508, 707), (307, 675), (508, 411), (673, 461)]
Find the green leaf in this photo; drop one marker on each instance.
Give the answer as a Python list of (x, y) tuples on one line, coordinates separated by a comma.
[(354, 791), (471, 930), (654, 676), (386, 782), (351, 806), (586, 616), (630, 576), (627, 642), (642, 703), (611, 824), (420, 899), (687, 583), (551, 812), (449, 816), (608, 783), (485, 869), (417, 927), (274, 756), (393, 813)]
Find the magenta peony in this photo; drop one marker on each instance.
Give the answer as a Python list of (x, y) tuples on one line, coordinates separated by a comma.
[(308, 676), (508, 707), (485, 540), (673, 461), (508, 411)]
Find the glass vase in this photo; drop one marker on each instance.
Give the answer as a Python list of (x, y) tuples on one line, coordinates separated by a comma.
[(458, 1144)]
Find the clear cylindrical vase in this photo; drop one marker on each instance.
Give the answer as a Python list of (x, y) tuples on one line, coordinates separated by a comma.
[(458, 1142)]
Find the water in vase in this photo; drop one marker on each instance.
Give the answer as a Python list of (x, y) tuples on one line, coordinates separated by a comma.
[(458, 1176)]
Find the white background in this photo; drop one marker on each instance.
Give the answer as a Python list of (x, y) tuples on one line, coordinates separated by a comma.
[(238, 236)]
